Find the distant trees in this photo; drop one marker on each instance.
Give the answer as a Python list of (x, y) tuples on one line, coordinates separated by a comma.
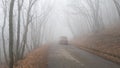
[(39, 24), (95, 11), (70, 26), (91, 11), (117, 5)]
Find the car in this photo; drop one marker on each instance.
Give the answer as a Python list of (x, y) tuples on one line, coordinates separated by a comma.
[(63, 40)]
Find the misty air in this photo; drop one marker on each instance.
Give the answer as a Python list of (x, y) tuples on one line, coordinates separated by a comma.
[(59, 34)]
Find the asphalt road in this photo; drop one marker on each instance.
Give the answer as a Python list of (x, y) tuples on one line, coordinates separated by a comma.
[(67, 56)]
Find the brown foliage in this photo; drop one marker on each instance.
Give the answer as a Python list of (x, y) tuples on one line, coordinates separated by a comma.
[(36, 59), (105, 44), (3, 66)]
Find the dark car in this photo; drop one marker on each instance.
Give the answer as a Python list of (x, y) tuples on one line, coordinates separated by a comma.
[(63, 40)]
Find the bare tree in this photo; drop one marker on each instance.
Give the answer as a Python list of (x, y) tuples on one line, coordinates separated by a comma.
[(95, 9), (39, 26), (28, 21), (11, 37), (20, 5), (4, 2), (117, 6)]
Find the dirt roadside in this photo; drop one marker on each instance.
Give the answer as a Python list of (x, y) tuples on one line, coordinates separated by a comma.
[(36, 59)]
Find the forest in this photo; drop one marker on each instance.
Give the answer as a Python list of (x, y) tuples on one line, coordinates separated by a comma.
[(26, 25)]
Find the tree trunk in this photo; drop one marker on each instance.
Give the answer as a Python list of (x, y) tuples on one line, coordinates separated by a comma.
[(117, 5), (3, 38), (11, 37), (18, 31)]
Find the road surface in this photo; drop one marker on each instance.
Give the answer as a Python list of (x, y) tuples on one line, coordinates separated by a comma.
[(67, 56)]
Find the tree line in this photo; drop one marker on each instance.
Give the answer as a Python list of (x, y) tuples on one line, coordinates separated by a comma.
[(92, 11), (23, 27)]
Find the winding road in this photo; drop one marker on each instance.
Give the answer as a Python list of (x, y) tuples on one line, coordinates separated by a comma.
[(68, 56)]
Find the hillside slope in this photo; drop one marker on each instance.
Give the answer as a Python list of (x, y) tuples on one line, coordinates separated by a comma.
[(105, 44)]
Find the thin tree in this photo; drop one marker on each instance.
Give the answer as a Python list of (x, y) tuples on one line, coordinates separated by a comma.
[(28, 21), (4, 2), (11, 37), (20, 5), (82, 11), (95, 10), (117, 5)]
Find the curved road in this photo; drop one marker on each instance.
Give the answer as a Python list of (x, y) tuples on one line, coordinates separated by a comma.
[(66, 56)]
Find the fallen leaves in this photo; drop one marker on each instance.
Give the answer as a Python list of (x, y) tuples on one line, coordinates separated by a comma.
[(36, 59)]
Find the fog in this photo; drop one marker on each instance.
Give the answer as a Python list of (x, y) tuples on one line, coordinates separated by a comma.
[(43, 21)]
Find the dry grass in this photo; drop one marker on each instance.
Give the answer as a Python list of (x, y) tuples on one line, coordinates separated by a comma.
[(105, 44), (36, 59), (3, 66)]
